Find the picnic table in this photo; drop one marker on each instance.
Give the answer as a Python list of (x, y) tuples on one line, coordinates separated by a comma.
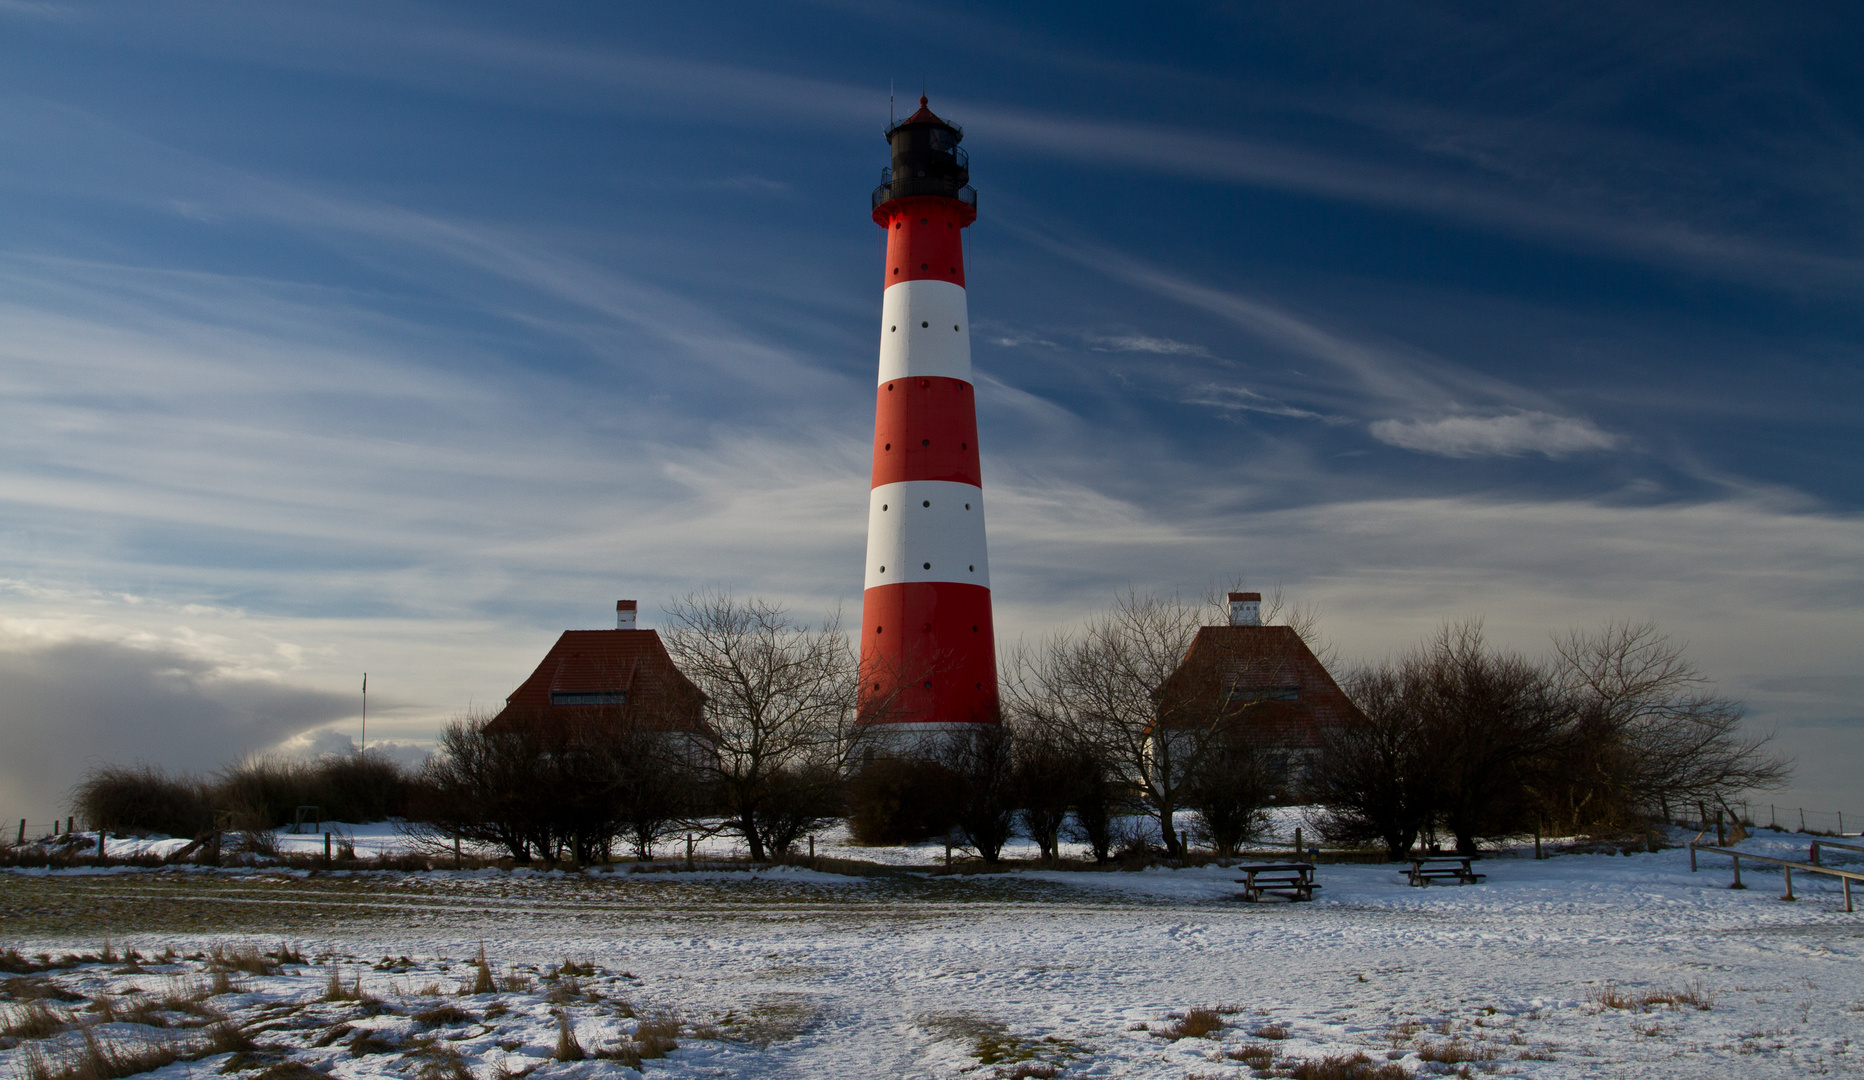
[(1428, 868), (1293, 880)]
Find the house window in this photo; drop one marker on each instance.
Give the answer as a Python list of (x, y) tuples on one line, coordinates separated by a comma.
[(589, 697), (1265, 693)]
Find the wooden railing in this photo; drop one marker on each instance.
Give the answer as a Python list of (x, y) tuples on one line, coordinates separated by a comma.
[(1844, 876)]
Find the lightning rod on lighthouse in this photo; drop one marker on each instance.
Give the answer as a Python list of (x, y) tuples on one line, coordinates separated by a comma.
[(928, 650)]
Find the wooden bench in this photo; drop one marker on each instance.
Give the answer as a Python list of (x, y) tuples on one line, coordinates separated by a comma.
[(1293, 880), (1428, 868)]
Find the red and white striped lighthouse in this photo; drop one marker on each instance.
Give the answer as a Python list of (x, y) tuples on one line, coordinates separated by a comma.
[(928, 652)]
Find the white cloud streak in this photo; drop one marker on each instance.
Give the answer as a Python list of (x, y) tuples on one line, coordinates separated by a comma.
[(1509, 435)]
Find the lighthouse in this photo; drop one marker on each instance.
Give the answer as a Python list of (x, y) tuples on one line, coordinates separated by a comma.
[(928, 651)]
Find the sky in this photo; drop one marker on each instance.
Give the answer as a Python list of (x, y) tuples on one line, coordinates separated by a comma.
[(398, 338)]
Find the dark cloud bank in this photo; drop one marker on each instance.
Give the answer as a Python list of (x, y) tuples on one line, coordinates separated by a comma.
[(66, 707)]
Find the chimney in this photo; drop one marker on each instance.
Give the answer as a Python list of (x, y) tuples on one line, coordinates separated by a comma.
[(1245, 609), (624, 614)]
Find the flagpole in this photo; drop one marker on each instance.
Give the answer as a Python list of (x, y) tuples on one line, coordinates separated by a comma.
[(364, 750)]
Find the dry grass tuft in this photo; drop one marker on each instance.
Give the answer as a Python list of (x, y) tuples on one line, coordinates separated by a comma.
[(517, 983), (656, 1035), (291, 1070), (99, 1059), (37, 988), (1194, 1024), (246, 958), (569, 967), (568, 1048), (444, 1016), (1254, 1055), (368, 1042), (1612, 996), (1271, 1031), (481, 981), (1345, 1067), (1456, 1052), (332, 1034), (226, 1038), (35, 1020), (625, 1052), (1028, 1070), (567, 989)]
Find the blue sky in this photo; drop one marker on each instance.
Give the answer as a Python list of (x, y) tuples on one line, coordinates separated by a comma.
[(400, 337)]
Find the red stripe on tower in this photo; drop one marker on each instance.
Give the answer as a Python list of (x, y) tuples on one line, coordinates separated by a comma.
[(928, 650)]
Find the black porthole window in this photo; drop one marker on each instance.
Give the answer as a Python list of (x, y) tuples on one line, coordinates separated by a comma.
[(928, 566), (973, 629), (973, 570), (925, 442), (925, 324), (925, 266), (877, 630), (928, 684), (893, 329), (928, 502), (954, 326), (883, 506), (967, 506), (883, 569)]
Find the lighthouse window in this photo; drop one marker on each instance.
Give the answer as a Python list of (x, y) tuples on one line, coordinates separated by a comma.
[(967, 506), (928, 502), (925, 442), (925, 324), (895, 329), (877, 630), (889, 445), (928, 566), (954, 326), (883, 569), (973, 570), (925, 266)]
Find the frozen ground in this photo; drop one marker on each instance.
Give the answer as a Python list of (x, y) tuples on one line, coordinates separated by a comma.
[(791, 973)]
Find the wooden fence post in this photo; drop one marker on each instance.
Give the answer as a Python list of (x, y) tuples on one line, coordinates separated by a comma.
[(22, 831), (456, 853), (326, 849), (100, 843), (689, 837), (1299, 850), (1802, 810), (1847, 882), (1737, 884), (1789, 884), (1692, 856), (1814, 860)]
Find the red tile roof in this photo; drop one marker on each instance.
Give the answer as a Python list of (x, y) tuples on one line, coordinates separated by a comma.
[(632, 663), (1294, 698)]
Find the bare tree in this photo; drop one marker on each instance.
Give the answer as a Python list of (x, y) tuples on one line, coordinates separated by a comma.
[(1230, 791), (1107, 685), (1374, 774), (781, 700), (1652, 733), (982, 764)]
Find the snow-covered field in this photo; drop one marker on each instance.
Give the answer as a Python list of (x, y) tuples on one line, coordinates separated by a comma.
[(787, 972)]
